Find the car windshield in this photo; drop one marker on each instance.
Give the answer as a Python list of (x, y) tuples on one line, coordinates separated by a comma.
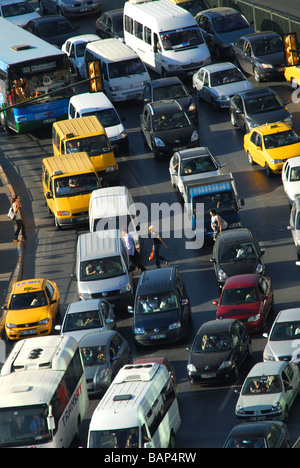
[(28, 300), (93, 355), (115, 438), (285, 331), (236, 252), (222, 202), (197, 165), (103, 268), (246, 442), (236, 296), (224, 24), (263, 104), (55, 28), (156, 303), (232, 75), (212, 343), (73, 186), (83, 321), (275, 140), (181, 38), (267, 46), (295, 174), (262, 385), (107, 117), (170, 121), (80, 49), (16, 9), (169, 92), (125, 68), (93, 145)]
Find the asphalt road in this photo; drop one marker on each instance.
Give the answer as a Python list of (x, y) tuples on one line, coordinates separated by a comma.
[(207, 412)]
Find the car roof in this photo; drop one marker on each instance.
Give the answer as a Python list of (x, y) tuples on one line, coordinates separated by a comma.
[(113, 13), (256, 93), (270, 128), (253, 428), (193, 152), (169, 105), (156, 281), (50, 19), (241, 281), (267, 368), (234, 235), (83, 38), (220, 66), (295, 161), (83, 306), (261, 34), (217, 325), (23, 286), (287, 315), (96, 338), (162, 82), (220, 11)]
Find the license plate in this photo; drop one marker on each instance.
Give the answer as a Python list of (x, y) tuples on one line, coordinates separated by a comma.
[(179, 148), (28, 332), (280, 69), (133, 96), (85, 9), (208, 376), (157, 337), (49, 120), (83, 218)]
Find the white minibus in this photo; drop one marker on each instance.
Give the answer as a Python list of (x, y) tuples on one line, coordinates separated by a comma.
[(166, 37), (139, 410), (123, 73), (43, 393)]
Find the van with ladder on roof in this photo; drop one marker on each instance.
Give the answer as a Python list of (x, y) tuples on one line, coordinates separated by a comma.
[(43, 393), (139, 410), (165, 36)]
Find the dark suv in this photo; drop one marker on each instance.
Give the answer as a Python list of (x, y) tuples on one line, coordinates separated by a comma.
[(166, 128), (162, 310)]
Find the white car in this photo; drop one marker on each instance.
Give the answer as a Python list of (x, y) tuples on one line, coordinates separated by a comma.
[(268, 392), (75, 48), (284, 337), (219, 82), (290, 177), (18, 12), (84, 317), (192, 164), (294, 225)]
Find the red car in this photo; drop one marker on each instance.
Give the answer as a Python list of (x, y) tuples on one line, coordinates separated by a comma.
[(248, 298)]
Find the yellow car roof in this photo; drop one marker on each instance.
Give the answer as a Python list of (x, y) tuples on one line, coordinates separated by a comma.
[(36, 284), (268, 129)]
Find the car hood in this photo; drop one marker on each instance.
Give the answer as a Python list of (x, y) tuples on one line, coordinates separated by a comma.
[(238, 311), (258, 402), (190, 178), (76, 204), (240, 267), (157, 319), (226, 38), (269, 117), (58, 39), (209, 361), (285, 152), (230, 89), (284, 348), (274, 59), (19, 317), (185, 102), (110, 284), (79, 334), (91, 371), (171, 136), (21, 20), (293, 189)]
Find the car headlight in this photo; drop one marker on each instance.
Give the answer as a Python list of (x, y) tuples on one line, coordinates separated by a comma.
[(266, 65), (63, 213), (158, 142), (123, 135), (223, 98), (111, 168), (126, 288), (222, 276), (194, 136), (44, 321), (225, 365), (174, 326), (115, 88), (192, 107), (11, 325), (288, 120), (254, 318), (240, 410), (85, 296), (276, 161), (191, 368), (276, 407), (173, 67), (102, 374), (267, 357), (259, 268), (138, 331)]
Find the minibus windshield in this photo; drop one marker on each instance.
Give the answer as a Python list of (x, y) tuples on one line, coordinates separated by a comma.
[(116, 438), (181, 39), (74, 185)]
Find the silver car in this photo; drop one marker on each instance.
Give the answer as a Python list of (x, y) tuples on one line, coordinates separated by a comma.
[(103, 355), (70, 8)]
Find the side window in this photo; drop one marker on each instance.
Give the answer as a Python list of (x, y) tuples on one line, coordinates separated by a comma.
[(205, 79), (103, 67), (147, 35), (72, 111), (273, 436), (253, 138), (258, 140), (239, 44), (49, 291), (138, 30), (128, 24)]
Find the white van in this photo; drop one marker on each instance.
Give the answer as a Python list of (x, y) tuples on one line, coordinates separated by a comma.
[(166, 37), (98, 104), (139, 410), (122, 71), (114, 208), (103, 268)]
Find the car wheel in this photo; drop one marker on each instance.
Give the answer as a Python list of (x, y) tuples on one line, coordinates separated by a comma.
[(286, 415), (250, 160), (172, 441), (163, 73), (268, 170), (232, 120), (256, 74), (235, 373)]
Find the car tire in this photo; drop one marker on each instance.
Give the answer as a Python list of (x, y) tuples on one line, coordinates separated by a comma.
[(172, 441), (250, 159), (268, 170), (256, 74), (232, 120)]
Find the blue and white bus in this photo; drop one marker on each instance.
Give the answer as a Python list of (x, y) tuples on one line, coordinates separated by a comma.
[(30, 69), (43, 393)]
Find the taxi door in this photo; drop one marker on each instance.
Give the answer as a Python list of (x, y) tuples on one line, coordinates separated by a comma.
[(255, 148)]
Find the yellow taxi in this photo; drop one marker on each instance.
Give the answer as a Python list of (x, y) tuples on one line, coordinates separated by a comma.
[(292, 74), (270, 145), (32, 307)]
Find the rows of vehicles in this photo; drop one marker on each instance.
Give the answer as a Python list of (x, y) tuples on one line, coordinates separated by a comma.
[(104, 274)]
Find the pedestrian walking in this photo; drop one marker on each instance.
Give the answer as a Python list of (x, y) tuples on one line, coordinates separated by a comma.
[(16, 205), (157, 242), (132, 252)]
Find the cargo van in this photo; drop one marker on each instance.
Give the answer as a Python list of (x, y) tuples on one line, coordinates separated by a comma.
[(165, 36), (114, 208), (139, 410), (86, 134), (67, 185), (86, 104), (123, 74), (103, 268)]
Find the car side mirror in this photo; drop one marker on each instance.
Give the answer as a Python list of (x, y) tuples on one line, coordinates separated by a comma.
[(212, 260), (290, 228), (215, 302), (57, 327), (73, 277), (258, 148), (54, 301), (184, 302), (265, 335), (130, 309), (49, 195)]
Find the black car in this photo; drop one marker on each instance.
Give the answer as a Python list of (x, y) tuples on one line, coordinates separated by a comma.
[(260, 54), (166, 128), (110, 24), (262, 434), (218, 351), (54, 29), (162, 310), (235, 252), (257, 107), (171, 88)]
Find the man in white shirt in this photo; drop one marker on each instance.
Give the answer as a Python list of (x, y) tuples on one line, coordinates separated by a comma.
[(132, 252)]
